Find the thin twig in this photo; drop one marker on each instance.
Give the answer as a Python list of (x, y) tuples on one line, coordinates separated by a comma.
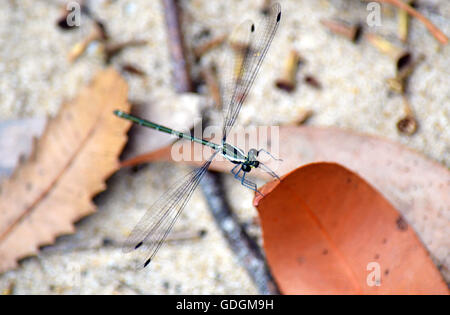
[(200, 50), (182, 80), (77, 245), (244, 247), (112, 49), (403, 23), (349, 31)]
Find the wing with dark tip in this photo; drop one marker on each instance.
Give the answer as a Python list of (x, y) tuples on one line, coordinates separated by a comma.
[(251, 50), (151, 231)]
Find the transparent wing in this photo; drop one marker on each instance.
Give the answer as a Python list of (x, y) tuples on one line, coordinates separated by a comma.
[(151, 231), (251, 48)]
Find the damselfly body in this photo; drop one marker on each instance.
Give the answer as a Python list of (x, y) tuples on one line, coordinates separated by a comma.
[(151, 231)]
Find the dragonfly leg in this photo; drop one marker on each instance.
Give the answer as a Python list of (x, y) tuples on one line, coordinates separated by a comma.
[(268, 170), (233, 171), (268, 153), (249, 184), (246, 183)]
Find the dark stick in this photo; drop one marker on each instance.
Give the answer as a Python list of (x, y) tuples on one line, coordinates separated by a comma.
[(181, 78), (247, 251), (245, 248)]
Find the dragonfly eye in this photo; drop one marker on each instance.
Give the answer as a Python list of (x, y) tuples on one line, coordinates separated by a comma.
[(252, 154), (255, 164), (246, 167)]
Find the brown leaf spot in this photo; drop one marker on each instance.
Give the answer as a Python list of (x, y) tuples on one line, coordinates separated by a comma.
[(402, 225)]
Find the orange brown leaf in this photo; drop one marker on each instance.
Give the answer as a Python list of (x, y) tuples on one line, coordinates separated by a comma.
[(69, 165), (326, 230)]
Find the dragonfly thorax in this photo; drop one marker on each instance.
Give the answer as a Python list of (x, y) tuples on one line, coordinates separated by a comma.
[(251, 160), (233, 154), (237, 156)]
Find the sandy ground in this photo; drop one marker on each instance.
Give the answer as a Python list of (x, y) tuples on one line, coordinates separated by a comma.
[(35, 77)]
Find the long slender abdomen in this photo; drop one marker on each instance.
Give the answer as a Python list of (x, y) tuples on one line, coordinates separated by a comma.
[(149, 124)]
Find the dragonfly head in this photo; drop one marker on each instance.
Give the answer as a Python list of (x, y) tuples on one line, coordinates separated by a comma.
[(251, 160)]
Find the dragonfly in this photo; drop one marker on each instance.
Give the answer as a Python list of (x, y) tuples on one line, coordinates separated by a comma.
[(154, 227)]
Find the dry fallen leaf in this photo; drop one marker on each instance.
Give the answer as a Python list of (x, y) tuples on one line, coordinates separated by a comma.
[(68, 165), (326, 230)]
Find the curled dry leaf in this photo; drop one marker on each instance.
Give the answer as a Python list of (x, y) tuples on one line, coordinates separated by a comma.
[(327, 231), (68, 165)]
